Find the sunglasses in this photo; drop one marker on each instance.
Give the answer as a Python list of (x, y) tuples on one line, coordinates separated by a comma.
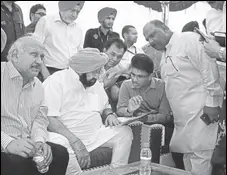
[(41, 14)]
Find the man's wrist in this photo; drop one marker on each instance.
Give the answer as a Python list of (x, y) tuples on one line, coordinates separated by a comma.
[(106, 112)]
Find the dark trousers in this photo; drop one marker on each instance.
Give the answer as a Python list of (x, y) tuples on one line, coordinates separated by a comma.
[(218, 159), (17, 165)]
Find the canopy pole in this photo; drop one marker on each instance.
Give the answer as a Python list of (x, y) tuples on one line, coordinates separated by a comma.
[(165, 12)]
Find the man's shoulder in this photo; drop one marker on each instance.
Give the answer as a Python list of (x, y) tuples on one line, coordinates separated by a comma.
[(114, 34), (127, 83), (159, 83), (92, 31), (3, 65)]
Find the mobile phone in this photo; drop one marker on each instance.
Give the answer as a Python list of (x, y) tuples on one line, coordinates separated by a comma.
[(220, 38), (205, 118), (202, 35)]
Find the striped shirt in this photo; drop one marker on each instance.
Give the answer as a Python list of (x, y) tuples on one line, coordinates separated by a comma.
[(23, 113)]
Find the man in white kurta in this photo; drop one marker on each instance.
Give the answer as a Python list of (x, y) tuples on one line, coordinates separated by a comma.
[(61, 36), (79, 109), (216, 17), (192, 88)]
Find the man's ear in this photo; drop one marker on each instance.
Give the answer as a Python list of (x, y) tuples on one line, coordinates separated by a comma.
[(15, 55), (32, 16)]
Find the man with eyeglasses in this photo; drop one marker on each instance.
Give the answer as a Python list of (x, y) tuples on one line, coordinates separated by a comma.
[(36, 12), (143, 93), (61, 36), (193, 89)]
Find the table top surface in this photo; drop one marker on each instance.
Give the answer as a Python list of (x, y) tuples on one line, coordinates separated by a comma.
[(133, 169)]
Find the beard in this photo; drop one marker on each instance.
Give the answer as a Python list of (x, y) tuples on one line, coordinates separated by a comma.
[(87, 83)]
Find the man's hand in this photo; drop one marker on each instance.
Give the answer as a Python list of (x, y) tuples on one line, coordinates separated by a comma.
[(81, 153), (212, 112), (47, 152), (111, 120), (21, 147), (110, 79), (134, 103), (212, 48)]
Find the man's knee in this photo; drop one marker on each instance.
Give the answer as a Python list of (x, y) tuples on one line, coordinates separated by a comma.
[(59, 152), (126, 133)]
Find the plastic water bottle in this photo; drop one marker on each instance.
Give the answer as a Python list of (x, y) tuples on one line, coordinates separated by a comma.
[(145, 160), (38, 158)]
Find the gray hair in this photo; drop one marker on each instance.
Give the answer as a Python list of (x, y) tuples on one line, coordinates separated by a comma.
[(22, 43)]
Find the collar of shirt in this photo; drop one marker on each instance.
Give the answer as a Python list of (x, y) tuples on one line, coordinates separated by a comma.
[(13, 73), (57, 18), (109, 32)]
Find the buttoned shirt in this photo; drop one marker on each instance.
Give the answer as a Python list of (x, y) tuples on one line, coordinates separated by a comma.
[(61, 41), (13, 25), (154, 98), (95, 38), (23, 113), (191, 82), (79, 109)]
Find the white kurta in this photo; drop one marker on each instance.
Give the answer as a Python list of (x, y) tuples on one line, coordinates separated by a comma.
[(192, 81), (77, 108), (216, 20)]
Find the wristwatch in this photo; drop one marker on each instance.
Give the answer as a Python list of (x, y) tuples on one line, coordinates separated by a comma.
[(221, 53)]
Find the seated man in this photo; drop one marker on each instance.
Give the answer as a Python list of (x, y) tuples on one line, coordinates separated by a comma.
[(115, 49), (143, 93), (23, 113), (77, 105)]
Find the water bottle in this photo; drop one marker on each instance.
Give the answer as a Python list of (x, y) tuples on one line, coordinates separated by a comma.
[(38, 158), (145, 160)]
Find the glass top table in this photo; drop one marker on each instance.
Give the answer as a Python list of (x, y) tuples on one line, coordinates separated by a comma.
[(133, 169)]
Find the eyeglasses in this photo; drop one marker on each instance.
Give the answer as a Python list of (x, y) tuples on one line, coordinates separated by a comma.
[(41, 14), (139, 77)]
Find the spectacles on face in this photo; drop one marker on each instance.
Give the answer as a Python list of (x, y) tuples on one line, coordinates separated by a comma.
[(41, 14), (139, 77)]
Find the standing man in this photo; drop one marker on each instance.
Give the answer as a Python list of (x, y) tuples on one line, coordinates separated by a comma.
[(61, 36), (192, 88), (216, 17), (12, 23), (96, 38), (36, 12), (214, 50), (24, 115)]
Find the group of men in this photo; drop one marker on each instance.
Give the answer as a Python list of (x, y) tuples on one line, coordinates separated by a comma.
[(69, 115)]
